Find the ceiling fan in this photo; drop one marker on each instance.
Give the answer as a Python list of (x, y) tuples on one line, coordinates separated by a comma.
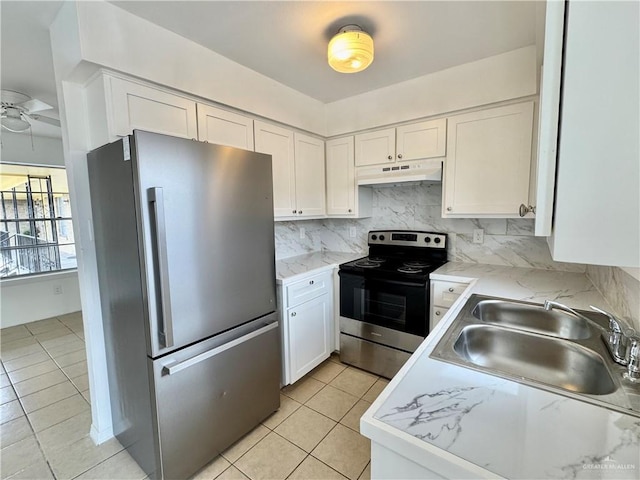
[(18, 110)]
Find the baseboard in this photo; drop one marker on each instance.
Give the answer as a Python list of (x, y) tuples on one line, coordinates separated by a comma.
[(100, 436)]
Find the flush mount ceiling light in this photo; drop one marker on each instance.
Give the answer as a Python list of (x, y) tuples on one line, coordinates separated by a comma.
[(350, 50)]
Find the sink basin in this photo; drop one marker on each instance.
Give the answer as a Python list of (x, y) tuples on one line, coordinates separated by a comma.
[(542, 359), (552, 350), (532, 318)]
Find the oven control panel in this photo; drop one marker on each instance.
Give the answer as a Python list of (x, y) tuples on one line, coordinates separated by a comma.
[(408, 238)]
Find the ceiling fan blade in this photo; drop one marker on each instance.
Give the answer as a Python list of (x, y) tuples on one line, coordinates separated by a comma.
[(41, 118), (35, 105)]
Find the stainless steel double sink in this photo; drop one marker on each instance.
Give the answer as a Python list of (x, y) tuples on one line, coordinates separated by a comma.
[(549, 349)]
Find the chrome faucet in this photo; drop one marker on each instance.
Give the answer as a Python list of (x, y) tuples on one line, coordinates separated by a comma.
[(618, 337)]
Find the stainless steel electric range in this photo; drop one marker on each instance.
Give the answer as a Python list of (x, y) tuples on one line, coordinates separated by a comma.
[(384, 299)]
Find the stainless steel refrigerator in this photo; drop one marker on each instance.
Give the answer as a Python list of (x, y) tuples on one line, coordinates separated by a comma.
[(185, 249)]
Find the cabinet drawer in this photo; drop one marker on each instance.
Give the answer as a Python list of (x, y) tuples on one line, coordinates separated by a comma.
[(437, 313), (311, 287), (445, 293)]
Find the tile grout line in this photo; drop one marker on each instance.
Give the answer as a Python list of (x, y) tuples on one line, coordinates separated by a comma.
[(20, 401), (310, 454)]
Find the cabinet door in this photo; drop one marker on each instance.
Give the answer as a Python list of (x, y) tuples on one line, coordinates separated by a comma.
[(224, 128), (146, 108), (278, 142), (488, 162), (341, 187), (421, 140), (309, 335), (309, 176), (377, 147), (597, 203)]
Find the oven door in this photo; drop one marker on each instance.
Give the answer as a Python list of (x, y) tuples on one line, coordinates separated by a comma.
[(392, 304)]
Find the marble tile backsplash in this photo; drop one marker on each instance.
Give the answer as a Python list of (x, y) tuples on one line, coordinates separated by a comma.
[(620, 289), (508, 242)]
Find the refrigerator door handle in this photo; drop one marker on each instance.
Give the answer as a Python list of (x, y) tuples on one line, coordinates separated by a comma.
[(176, 367), (156, 199)]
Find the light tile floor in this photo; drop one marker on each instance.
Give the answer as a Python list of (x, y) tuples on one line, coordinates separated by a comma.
[(45, 418)]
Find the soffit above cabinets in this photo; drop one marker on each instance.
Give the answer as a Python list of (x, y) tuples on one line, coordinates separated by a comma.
[(287, 41)]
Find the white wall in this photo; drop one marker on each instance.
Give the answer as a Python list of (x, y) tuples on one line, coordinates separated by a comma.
[(114, 38), (24, 300), (490, 80), (17, 148), (28, 299)]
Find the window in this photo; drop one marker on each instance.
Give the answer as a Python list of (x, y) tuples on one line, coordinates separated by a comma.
[(36, 234)]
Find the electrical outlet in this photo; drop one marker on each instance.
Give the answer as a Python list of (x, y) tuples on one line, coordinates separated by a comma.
[(57, 289), (353, 232), (303, 233), (478, 235)]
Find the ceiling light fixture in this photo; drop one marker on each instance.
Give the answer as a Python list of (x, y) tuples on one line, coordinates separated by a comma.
[(12, 120), (350, 50)]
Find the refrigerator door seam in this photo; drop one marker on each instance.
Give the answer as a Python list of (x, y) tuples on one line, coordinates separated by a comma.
[(177, 367)]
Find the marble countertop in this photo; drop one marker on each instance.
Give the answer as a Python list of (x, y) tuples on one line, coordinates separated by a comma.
[(490, 426), (291, 267)]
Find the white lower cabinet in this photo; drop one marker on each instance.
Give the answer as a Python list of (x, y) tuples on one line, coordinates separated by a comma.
[(443, 295), (307, 312)]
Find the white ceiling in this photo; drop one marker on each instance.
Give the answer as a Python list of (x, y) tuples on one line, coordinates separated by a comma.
[(25, 56), (286, 40)]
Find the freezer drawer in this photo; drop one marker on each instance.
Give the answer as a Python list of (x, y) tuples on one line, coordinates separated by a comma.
[(212, 393)]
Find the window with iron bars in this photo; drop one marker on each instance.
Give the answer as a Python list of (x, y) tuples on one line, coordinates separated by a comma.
[(36, 235)]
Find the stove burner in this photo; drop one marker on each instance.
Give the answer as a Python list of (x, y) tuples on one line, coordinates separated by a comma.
[(376, 259), (408, 269), (367, 263), (416, 264)]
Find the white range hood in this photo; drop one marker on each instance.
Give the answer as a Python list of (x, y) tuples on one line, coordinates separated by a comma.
[(401, 172)]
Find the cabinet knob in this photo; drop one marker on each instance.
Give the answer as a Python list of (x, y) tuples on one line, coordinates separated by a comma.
[(293, 314), (349, 210), (390, 157), (437, 312), (300, 212), (451, 289), (311, 282), (523, 210), (449, 209), (399, 155), (295, 211)]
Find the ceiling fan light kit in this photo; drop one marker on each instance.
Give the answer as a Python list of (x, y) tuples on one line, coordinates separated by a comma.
[(350, 50), (18, 109), (12, 120)]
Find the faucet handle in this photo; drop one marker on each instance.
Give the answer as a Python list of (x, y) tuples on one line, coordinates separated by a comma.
[(614, 323), (633, 359)]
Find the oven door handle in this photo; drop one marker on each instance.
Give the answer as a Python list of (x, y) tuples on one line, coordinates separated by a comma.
[(394, 282), (364, 280)]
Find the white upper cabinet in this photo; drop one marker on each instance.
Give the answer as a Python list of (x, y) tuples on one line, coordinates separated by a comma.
[(597, 203), (375, 148), (408, 142), (298, 171), (137, 106), (278, 142), (341, 187), (487, 169), (224, 128), (309, 176), (421, 140), (344, 197)]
